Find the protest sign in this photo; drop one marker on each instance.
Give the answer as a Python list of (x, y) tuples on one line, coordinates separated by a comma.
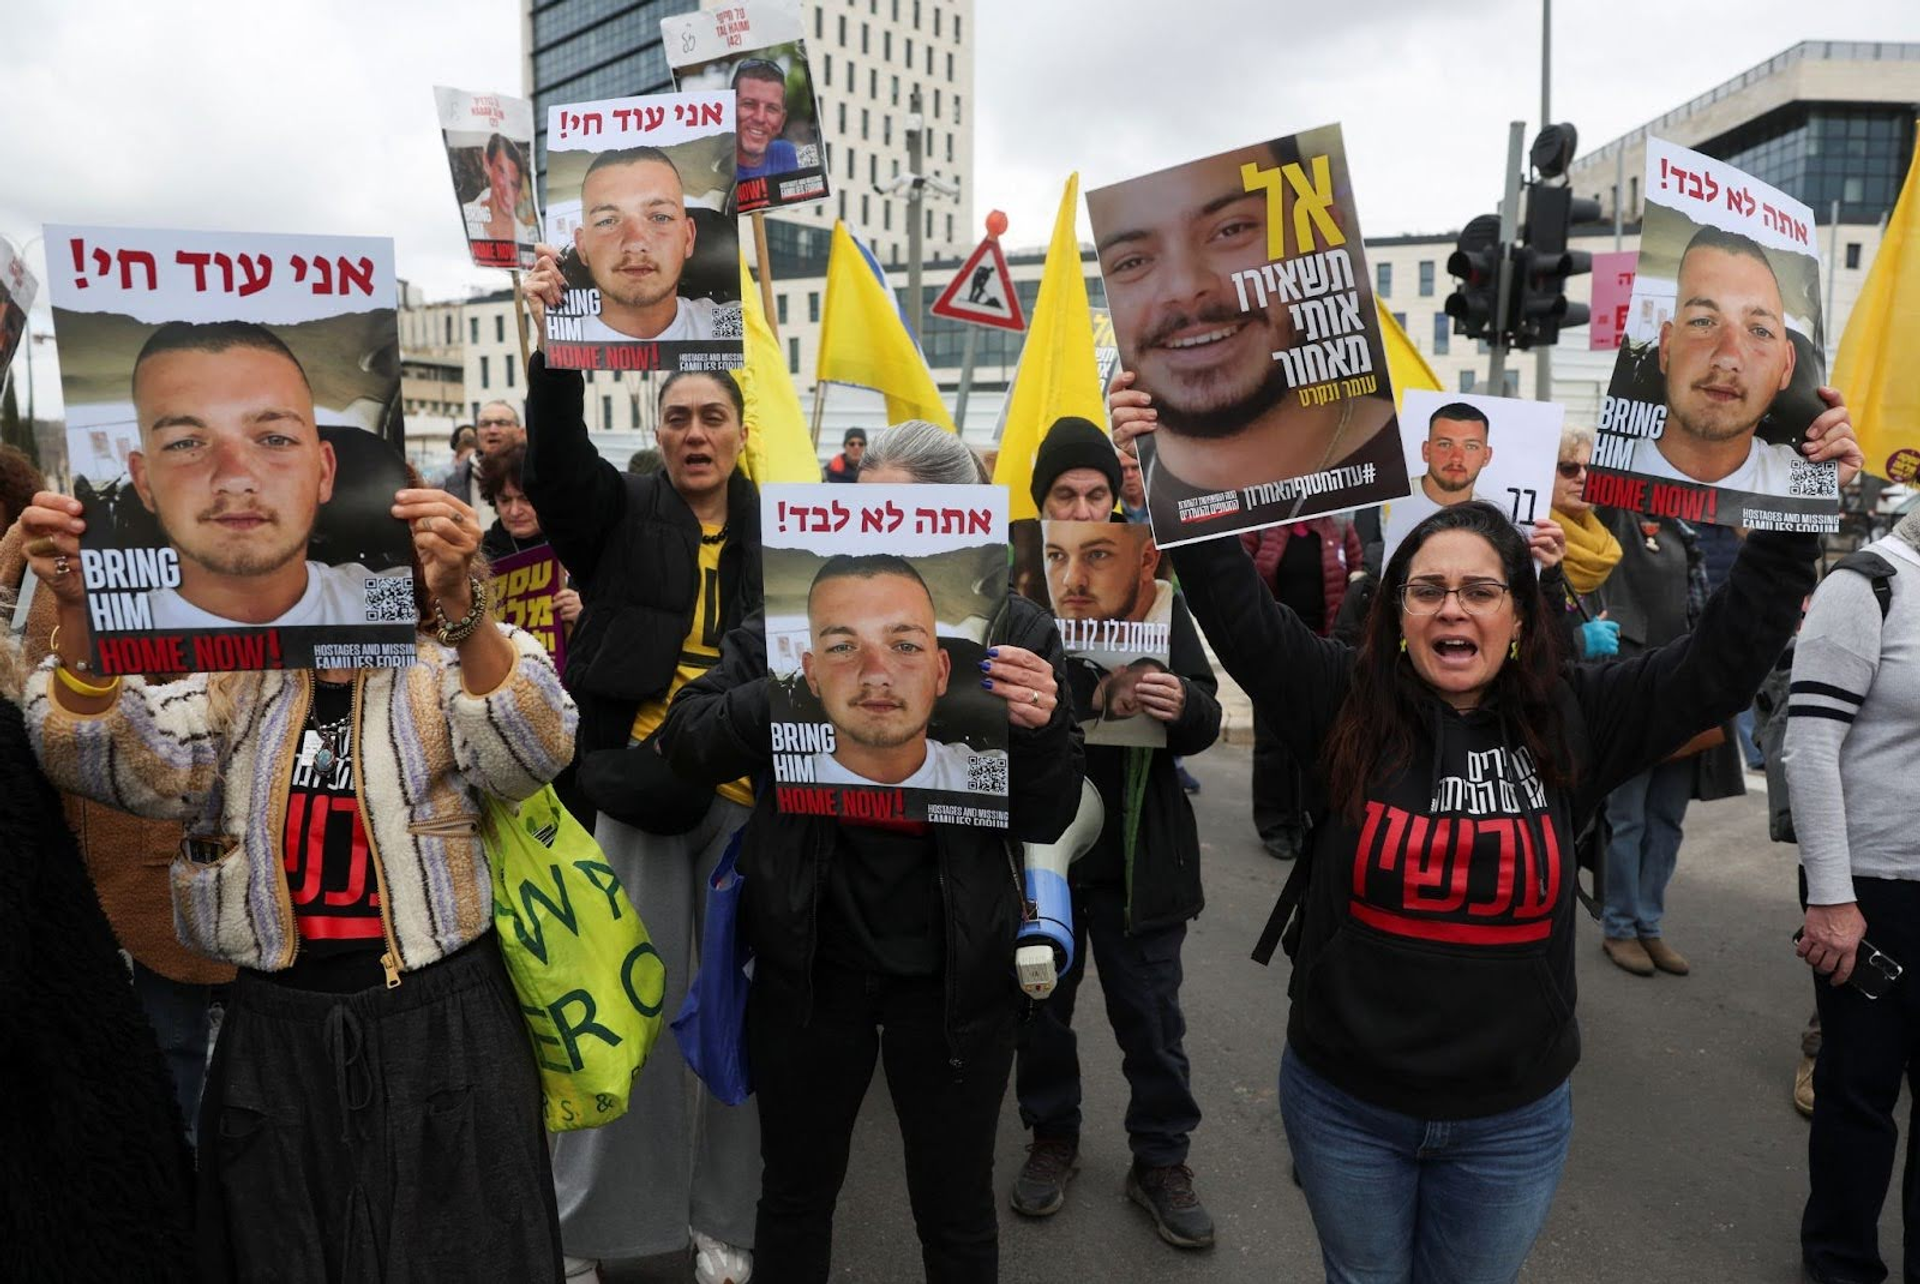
[(640, 194), (1115, 618), (489, 139), (1462, 447), (17, 288), (754, 49), (1242, 304), (228, 396), (1106, 350), (879, 601), (1715, 385), (522, 592), (1612, 299)]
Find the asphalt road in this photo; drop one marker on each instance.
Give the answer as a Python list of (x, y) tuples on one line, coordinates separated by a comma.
[(1688, 1159)]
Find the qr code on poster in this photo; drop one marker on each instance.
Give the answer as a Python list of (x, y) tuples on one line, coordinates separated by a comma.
[(807, 155), (1808, 480), (987, 775), (390, 600)]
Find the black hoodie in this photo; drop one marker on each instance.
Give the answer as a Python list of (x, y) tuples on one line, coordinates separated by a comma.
[(1434, 974)]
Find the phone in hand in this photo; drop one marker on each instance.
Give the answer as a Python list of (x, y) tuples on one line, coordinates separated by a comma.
[(1873, 972)]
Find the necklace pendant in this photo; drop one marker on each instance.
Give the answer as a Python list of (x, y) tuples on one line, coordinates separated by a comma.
[(323, 760)]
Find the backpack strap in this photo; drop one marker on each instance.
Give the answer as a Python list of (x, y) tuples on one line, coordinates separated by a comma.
[(1294, 891), (1879, 572)]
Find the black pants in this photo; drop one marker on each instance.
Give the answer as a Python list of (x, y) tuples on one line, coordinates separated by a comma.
[(1867, 1047), (1279, 789), (387, 1135), (810, 1080), (1140, 978)]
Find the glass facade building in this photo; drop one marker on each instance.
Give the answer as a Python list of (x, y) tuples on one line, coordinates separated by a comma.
[(1853, 153), (584, 50)]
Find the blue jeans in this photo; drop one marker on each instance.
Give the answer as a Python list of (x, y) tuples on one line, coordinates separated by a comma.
[(1400, 1200), (178, 1015), (1645, 813)]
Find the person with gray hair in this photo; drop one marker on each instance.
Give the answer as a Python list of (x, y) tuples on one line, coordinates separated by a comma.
[(924, 454), (1852, 749)]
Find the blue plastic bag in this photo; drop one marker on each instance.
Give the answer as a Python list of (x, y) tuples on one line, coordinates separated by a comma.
[(711, 1027)]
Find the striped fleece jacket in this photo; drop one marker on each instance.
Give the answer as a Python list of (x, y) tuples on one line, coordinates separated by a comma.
[(426, 752)]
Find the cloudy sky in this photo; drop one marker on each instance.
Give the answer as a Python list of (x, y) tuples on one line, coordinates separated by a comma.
[(317, 115)]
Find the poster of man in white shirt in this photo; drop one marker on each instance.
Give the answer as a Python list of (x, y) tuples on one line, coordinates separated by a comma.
[(234, 470), (1500, 450), (638, 205), (874, 643), (1716, 410), (489, 141)]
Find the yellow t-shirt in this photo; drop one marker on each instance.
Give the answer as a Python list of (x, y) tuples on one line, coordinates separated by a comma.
[(700, 652)]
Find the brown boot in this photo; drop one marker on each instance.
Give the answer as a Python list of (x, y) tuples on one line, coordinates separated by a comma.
[(1664, 956), (1628, 954)]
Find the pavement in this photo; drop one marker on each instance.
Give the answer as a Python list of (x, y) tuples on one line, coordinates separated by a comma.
[(1688, 1160)]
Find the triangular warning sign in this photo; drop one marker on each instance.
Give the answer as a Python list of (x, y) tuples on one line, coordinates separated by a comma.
[(982, 292)]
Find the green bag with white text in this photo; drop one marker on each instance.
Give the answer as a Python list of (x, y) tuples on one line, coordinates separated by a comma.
[(589, 982)]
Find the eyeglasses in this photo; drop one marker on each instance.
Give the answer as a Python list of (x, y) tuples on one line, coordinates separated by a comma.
[(758, 65), (1481, 597), (497, 423), (1569, 469)]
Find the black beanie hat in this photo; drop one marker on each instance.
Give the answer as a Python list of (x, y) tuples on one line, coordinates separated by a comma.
[(1073, 442)]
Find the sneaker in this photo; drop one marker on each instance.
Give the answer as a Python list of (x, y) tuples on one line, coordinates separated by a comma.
[(1167, 1194), (1803, 1087), (1188, 781), (1041, 1187), (1628, 954), (1664, 956), (718, 1263)]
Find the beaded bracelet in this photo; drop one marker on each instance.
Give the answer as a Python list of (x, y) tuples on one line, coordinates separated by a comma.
[(454, 632)]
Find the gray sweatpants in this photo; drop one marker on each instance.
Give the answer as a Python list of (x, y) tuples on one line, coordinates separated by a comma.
[(677, 1158)]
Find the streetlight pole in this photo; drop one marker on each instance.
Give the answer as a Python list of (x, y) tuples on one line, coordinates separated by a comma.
[(916, 198)]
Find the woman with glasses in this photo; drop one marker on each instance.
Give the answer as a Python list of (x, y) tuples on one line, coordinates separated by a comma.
[(517, 528), (1424, 1083), (1592, 550)]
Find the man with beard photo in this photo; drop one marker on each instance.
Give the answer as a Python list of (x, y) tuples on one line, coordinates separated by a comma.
[(1455, 452), (1169, 245), (233, 468), (635, 240), (876, 665)]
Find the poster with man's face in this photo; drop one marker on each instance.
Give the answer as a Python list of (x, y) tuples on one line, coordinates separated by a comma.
[(640, 201), (754, 48), (228, 397), (1241, 302), (17, 288), (880, 604), (1715, 385), (1115, 618), (1461, 447), (489, 140)]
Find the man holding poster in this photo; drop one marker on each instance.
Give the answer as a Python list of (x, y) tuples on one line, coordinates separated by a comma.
[(1242, 307), (1716, 411)]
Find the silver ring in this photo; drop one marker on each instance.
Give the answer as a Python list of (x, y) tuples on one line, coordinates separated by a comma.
[(61, 566), (1033, 697)]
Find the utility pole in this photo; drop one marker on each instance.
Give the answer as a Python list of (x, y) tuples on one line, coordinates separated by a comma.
[(916, 200), (1543, 356), (1509, 225)]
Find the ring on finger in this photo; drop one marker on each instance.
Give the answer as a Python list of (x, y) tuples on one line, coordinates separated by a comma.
[(42, 547), (61, 566), (1033, 697)]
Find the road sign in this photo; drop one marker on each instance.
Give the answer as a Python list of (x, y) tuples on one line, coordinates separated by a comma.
[(982, 291)]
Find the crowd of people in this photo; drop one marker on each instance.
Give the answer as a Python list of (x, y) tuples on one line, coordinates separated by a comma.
[(339, 1087)]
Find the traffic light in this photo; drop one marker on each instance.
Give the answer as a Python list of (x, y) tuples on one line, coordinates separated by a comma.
[(1476, 261), (1541, 269)]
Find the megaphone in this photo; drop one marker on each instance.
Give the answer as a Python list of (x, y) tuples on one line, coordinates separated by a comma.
[(1044, 948)]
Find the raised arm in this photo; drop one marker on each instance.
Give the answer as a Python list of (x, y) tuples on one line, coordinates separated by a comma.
[(581, 498)]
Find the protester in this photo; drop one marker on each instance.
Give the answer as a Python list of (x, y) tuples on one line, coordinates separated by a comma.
[(1132, 896), (126, 858), (497, 427), (462, 443), (1133, 491), (1852, 745), (97, 1180), (665, 564), (1308, 566), (1082, 470), (517, 529), (1458, 746), (845, 466), (373, 1102), (1592, 549), (20, 479), (846, 922)]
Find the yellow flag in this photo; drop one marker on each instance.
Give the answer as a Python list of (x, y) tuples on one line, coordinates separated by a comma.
[(1058, 372), (863, 341), (1876, 370), (1405, 366), (779, 446)]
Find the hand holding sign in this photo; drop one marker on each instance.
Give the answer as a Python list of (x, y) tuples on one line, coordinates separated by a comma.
[(1830, 437)]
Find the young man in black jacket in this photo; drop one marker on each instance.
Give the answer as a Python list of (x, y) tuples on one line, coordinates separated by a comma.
[(1132, 897), (665, 564)]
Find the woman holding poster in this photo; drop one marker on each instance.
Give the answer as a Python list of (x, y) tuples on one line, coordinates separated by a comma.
[(905, 925), (373, 1104), (1432, 927)]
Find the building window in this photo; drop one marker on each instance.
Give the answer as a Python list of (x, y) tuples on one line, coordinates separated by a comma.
[(1633, 196), (1426, 278), (916, 15), (826, 61), (449, 331), (949, 146), (936, 104), (606, 413), (886, 45), (793, 356), (866, 211), (1400, 319), (476, 411), (843, 31), (949, 63), (909, 58), (866, 44), (499, 328), (896, 10), (886, 129), (956, 102), (949, 218), (895, 99), (780, 307), (1442, 333), (473, 329), (956, 30), (1853, 256), (1466, 381), (936, 20), (507, 364), (864, 121), (1383, 280), (813, 306), (819, 20), (873, 83), (843, 120), (486, 377)]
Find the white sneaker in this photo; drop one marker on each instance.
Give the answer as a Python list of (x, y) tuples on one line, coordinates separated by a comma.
[(718, 1263), (581, 1268)]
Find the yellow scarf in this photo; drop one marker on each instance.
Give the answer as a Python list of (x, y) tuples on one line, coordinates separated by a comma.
[(1592, 550)]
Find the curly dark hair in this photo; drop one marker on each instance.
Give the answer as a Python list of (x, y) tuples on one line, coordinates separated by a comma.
[(20, 481), (499, 469), (1373, 734)]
